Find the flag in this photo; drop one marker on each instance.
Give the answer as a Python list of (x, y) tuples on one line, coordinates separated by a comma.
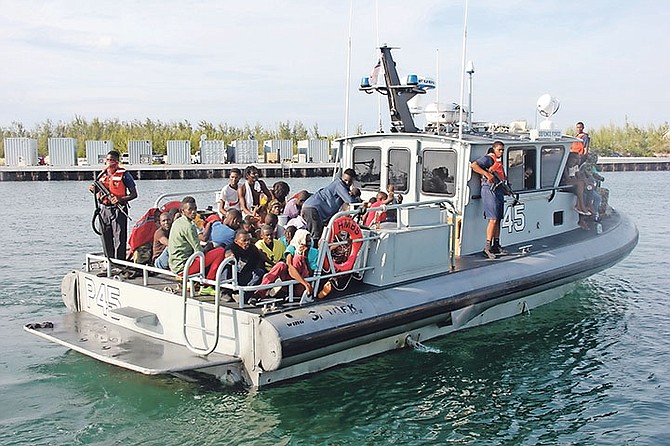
[(375, 73)]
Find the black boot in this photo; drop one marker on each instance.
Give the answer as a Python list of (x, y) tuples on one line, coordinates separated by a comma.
[(488, 250), (497, 249)]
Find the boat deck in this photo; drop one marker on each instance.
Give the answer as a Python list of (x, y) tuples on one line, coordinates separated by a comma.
[(462, 263), (114, 344)]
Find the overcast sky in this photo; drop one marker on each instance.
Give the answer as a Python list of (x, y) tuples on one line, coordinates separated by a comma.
[(266, 61)]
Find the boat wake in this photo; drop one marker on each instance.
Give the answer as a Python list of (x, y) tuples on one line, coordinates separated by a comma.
[(418, 346)]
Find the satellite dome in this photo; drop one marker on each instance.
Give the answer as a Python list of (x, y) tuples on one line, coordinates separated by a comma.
[(547, 105)]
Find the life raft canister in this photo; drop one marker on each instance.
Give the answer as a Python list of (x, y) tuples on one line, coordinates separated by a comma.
[(351, 228)]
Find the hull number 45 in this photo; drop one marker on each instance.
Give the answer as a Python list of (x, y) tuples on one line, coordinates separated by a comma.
[(514, 219), (107, 297)]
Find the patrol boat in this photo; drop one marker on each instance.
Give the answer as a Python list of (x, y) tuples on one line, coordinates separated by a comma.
[(398, 283)]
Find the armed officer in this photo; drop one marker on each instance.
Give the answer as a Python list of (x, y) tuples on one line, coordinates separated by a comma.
[(491, 170), (114, 188)]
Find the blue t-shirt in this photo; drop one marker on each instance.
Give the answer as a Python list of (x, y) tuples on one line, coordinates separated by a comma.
[(222, 234), (128, 180)]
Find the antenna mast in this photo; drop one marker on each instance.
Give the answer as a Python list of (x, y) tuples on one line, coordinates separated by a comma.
[(465, 39), (346, 95)]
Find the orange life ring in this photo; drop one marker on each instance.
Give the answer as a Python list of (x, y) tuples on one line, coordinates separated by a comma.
[(348, 225)]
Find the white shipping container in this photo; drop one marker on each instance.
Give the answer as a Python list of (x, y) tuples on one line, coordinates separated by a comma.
[(179, 151), (20, 152), (317, 150), (96, 151), (62, 151), (212, 151), (246, 151), (282, 146), (139, 151)]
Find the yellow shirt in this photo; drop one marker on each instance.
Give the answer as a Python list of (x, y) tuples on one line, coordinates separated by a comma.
[(274, 255)]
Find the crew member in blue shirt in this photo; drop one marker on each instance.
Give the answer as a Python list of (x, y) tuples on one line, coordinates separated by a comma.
[(326, 202)]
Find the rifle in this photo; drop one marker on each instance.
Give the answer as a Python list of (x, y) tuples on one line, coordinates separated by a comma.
[(105, 193), (499, 182)]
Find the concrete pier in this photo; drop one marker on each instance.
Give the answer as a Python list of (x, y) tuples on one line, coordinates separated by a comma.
[(286, 170), (164, 171), (621, 164)]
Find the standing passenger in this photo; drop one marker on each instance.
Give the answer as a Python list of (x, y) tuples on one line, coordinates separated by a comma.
[(229, 197), (250, 192), (327, 201), (492, 197), (114, 209)]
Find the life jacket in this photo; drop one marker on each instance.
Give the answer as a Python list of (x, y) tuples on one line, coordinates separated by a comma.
[(497, 167), (143, 231), (114, 183), (578, 147)]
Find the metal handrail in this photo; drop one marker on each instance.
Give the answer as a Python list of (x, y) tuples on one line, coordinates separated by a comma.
[(325, 245), (146, 269), (186, 290), (324, 254), (183, 194)]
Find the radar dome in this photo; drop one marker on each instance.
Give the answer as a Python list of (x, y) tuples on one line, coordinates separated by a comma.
[(547, 105)]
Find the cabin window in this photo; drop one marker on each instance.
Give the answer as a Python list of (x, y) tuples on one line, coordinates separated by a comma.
[(550, 163), (438, 172), (521, 168), (367, 164), (398, 169)]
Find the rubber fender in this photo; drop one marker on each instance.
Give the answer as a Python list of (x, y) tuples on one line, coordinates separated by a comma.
[(69, 289)]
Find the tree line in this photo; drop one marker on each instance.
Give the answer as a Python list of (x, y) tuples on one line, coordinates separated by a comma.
[(159, 132), (629, 140)]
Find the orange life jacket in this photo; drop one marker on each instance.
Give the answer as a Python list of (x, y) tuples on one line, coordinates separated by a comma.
[(497, 166), (114, 183), (578, 146)]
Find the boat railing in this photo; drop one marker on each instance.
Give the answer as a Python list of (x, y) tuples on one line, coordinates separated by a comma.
[(146, 270), (325, 260), (188, 293), (183, 194), (326, 246)]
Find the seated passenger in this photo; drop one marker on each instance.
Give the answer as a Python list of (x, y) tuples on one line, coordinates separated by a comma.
[(249, 261), (184, 241), (248, 223), (275, 207), (161, 240), (439, 182), (289, 232), (571, 177), (301, 262), (273, 221), (373, 216), (269, 247), (222, 234), (594, 195), (294, 205), (280, 191)]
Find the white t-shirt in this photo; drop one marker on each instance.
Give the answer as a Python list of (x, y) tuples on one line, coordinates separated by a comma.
[(230, 198)]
